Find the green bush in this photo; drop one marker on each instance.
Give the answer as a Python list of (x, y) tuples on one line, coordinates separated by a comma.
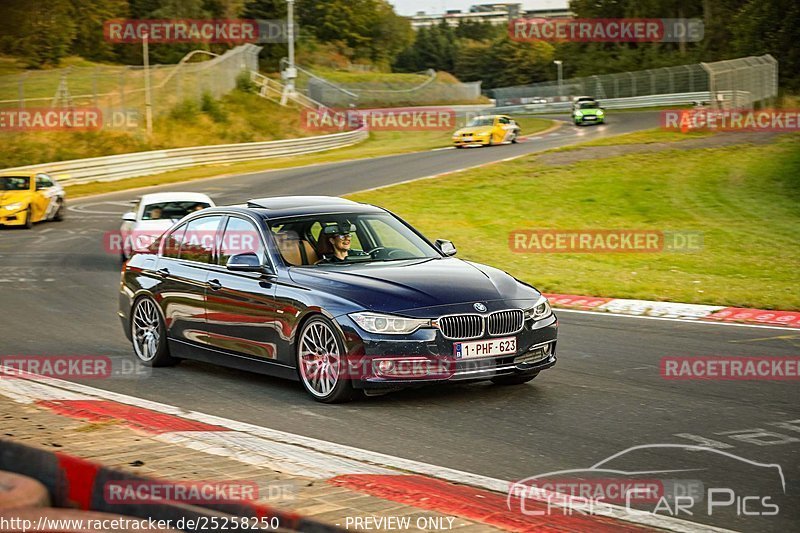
[(245, 84), (186, 111), (211, 107)]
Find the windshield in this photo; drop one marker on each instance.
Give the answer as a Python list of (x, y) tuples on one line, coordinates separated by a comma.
[(347, 238), (15, 183), (480, 121), (587, 105), (171, 210)]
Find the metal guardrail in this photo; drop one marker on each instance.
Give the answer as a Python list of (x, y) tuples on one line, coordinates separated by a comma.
[(654, 100), (123, 166)]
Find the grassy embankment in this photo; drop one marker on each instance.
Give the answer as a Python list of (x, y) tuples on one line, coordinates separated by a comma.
[(745, 199)]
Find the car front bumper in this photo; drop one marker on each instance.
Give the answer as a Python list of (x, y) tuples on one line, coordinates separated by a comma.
[(428, 358), (590, 119), (16, 217)]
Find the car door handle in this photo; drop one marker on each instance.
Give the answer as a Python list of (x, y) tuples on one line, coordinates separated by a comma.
[(214, 284), (163, 272)]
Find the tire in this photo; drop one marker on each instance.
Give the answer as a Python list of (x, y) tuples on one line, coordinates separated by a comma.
[(18, 491), (460, 146), (149, 334), (514, 379), (320, 364), (29, 218), (491, 141), (58, 216), (514, 138)]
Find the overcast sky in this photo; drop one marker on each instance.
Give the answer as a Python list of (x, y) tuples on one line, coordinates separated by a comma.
[(410, 7)]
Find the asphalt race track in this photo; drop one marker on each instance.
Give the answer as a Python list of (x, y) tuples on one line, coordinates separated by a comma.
[(58, 289)]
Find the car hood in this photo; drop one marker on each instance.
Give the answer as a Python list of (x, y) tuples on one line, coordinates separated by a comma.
[(587, 111), (478, 130), (12, 197), (403, 286)]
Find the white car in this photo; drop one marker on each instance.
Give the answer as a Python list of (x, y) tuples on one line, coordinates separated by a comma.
[(153, 214)]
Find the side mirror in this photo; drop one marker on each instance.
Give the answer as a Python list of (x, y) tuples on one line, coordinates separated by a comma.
[(446, 247), (248, 262), (129, 217)]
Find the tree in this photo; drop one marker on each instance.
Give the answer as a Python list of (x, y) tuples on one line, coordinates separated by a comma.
[(369, 28), (89, 17), (271, 53), (39, 31)]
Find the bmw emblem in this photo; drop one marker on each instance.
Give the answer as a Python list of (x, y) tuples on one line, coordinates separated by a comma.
[(479, 307)]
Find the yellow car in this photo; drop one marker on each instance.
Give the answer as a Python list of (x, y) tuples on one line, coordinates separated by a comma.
[(29, 198), (487, 130)]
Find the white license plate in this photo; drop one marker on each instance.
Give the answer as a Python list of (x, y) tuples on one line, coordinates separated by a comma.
[(467, 138), (485, 348), (590, 118)]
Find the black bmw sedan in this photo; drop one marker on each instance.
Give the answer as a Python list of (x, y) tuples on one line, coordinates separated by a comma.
[(342, 296)]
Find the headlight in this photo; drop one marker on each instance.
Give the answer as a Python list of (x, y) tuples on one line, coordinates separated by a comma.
[(539, 311), (12, 207), (600, 113), (578, 114), (388, 324)]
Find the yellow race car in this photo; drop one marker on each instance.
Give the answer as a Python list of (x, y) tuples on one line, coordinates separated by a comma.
[(28, 198), (487, 130)]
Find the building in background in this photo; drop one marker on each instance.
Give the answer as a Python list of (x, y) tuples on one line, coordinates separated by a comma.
[(494, 13)]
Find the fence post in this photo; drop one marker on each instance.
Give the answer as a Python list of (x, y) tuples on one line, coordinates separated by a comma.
[(21, 89), (94, 86), (122, 87)]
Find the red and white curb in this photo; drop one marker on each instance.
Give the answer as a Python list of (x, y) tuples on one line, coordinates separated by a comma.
[(426, 486), (718, 313)]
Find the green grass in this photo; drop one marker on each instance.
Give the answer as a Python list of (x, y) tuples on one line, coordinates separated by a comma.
[(745, 199), (380, 143), (236, 118), (655, 135)]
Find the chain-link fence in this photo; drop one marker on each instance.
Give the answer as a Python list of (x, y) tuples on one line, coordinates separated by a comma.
[(737, 83), (397, 90), (122, 88), (741, 83)]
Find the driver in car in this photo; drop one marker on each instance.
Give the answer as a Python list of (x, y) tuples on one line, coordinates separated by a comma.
[(335, 244)]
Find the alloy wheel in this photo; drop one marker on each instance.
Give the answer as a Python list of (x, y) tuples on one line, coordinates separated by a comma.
[(146, 330), (320, 359)]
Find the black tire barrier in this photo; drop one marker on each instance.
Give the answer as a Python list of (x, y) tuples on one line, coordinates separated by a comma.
[(77, 483)]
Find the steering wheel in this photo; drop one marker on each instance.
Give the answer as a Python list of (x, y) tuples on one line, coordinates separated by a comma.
[(373, 253)]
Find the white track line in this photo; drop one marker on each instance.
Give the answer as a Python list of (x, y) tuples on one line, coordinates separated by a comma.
[(259, 445)]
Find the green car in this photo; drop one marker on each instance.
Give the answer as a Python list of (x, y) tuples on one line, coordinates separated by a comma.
[(588, 112)]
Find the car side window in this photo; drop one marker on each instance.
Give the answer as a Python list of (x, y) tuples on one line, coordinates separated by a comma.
[(503, 120), (172, 244), (43, 182), (240, 237), (199, 240)]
